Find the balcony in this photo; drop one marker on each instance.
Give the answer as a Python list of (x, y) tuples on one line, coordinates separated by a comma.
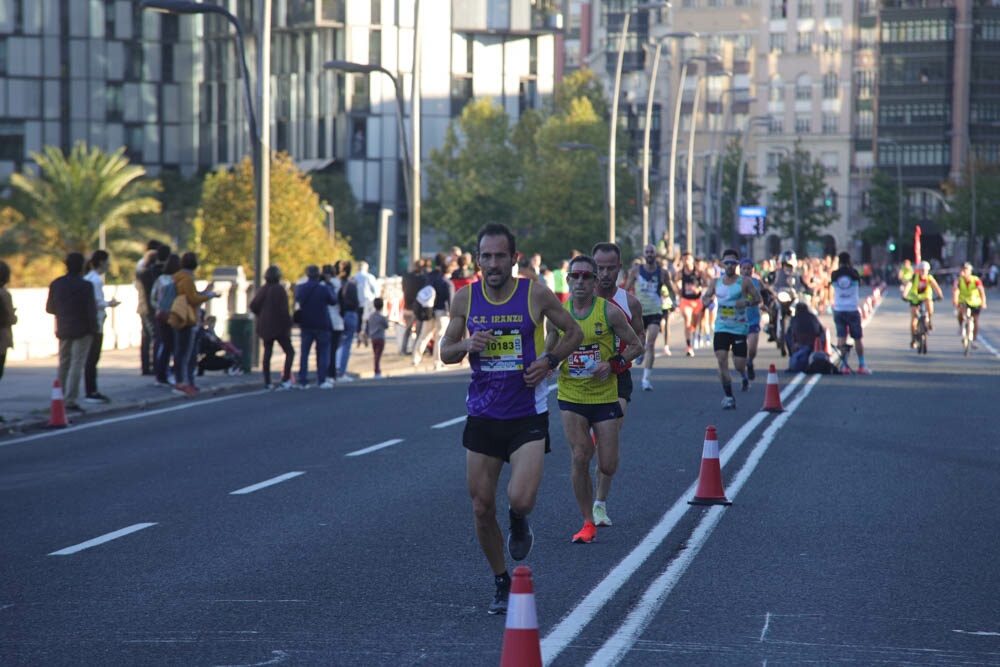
[(515, 17)]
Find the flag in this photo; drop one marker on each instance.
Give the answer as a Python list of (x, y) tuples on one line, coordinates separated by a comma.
[(916, 245)]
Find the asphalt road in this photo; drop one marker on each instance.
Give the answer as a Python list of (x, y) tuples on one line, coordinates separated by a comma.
[(334, 528)]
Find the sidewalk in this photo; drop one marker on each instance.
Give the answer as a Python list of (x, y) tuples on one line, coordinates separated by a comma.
[(26, 386)]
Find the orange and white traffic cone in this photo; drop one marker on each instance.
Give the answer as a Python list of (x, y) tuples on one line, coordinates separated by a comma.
[(772, 396), (57, 412), (521, 644), (710, 491), (829, 346)]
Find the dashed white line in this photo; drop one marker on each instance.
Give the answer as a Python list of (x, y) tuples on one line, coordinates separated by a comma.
[(450, 422), (266, 483), (102, 539), (375, 448), (767, 626)]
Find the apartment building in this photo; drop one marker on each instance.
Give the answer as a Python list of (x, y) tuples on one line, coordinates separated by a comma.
[(169, 87)]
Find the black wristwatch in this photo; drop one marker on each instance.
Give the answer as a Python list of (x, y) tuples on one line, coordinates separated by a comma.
[(553, 360)]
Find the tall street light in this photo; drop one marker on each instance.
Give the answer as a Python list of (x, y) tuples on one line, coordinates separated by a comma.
[(792, 168), (690, 155), (889, 141), (359, 68), (259, 139), (744, 146), (671, 204), (709, 207), (614, 108), (649, 119)]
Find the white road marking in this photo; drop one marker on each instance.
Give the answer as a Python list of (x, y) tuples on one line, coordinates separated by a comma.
[(266, 483), (986, 344), (102, 539), (573, 623), (375, 448), (978, 633), (767, 625), (450, 422), (616, 648)]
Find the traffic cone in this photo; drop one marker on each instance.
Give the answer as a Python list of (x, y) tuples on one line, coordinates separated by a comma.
[(521, 645), (57, 412), (710, 491), (829, 346), (772, 397)]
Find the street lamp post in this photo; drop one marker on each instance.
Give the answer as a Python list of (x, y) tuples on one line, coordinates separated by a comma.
[(792, 168), (649, 119), (673, 140), (408, 164), (612, 138), (744, 146), (889, 141), (258, 134)]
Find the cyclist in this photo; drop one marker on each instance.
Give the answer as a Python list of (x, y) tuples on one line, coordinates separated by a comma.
[(969, 296), (921, 289)]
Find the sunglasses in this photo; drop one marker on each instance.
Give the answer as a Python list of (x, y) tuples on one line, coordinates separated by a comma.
[(730, 262), (581, 275)]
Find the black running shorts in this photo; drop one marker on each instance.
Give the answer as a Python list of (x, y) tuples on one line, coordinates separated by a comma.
[(625, 386), (724, 341), (594, 412), (499, 438)]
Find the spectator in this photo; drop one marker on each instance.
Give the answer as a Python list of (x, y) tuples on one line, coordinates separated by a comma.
[(274, 324), (98, 266), (350, 308), (162, 297), (312, 298), (411, 284), (560, 286), (464, 273), (332, 276), (375, 330), (804, 329), (71, 300), (184, 332), (8, 317), (435, 327), (143, 285), (368, 289)]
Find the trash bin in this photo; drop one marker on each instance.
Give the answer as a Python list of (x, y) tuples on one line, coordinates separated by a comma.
[(241, 335)]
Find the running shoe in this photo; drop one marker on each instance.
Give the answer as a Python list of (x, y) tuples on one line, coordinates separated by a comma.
[(751, 373), (96, 397), (284, 386), (845, 370), (689, 351), (666, 351), (746, 384), (647, 385), (587, 534), (601, 517), (863, 370), (327, 384), (520, 538), (728, 403), (499, 604)]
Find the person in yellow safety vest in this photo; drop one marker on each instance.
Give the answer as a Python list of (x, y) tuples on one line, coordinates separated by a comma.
[(922, 288), (969, 295), (905, 275)]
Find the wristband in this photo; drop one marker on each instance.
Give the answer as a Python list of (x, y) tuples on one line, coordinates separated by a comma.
[(619, 365), (553, 360)]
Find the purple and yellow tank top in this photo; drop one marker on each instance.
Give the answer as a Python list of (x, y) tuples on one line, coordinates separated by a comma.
[(497, 389)]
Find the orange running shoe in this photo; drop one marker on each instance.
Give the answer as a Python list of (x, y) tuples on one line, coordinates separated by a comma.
[(587, 534)]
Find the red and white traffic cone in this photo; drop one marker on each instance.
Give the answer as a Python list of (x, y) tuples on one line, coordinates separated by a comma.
[(57, 412), (829, 346), (710, 490), (772, 395), (521, 644)]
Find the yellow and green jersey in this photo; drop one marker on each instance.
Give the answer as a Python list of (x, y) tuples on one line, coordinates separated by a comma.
[(577, 383)]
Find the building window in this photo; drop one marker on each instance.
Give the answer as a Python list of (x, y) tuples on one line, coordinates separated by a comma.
[(864, 81), (359, 100), (805, 41), (376, 12), (776, 91), (133, 60), (773, 161), (461, 93), (864, 123), (832, 9), (134, 141), (777, 42), (776, 126), (3, 55), (831, 40), (778, 9), (830, 165), (375, 47), (805, 9), (830, 123), (803, 88), (831, 86), (166, 63), (115, 102), (359, 138), (11, 142), (527, 94), (803, 124)]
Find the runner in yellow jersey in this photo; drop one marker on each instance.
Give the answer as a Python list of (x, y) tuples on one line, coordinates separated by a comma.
[(588, 387)]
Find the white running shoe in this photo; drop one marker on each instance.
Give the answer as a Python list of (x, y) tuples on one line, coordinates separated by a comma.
[(328, 384), (601, 515), (666, 351), (647, 385), (728, 403)]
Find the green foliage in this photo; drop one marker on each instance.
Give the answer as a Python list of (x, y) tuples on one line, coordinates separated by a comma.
[(225, 226), (350, 221), (582, 83), (883, 210), (811, 188), (987, 202), (750, 195)]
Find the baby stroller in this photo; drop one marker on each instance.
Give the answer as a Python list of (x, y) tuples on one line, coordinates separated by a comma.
[(215, 354)]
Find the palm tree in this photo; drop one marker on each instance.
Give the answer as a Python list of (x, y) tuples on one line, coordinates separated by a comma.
[(77, 196)]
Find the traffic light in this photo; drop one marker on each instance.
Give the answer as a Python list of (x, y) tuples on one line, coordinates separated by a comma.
[(830, 200), (892, 245)]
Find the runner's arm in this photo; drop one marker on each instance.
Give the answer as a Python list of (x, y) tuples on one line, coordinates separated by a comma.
[(454, 345), (621, 326), (550, 308), (706, 296), (635, 308)]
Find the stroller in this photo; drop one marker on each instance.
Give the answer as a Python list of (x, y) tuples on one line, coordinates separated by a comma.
[(215, 354)]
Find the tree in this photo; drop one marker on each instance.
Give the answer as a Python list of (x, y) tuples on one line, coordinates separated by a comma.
[(987, 203), (884, 200), (358, 229), (74, 196), (225, 226), (475, 176), (750, 194), (811, 188), (581, 83)]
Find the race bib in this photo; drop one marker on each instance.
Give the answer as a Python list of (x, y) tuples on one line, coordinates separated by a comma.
[(504, 353), (583, 360)]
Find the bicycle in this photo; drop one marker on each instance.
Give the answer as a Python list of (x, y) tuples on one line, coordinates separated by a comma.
[(920, 336), (968, 328)]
